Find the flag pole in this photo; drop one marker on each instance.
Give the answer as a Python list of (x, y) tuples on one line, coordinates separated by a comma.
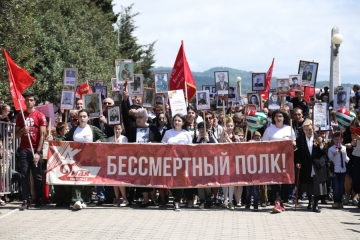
[(186, 94)]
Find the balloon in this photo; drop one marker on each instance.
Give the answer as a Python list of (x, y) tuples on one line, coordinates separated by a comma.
[(344, 117), (255, 120)]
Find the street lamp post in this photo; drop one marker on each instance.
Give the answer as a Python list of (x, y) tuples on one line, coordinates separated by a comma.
[(119, 25), (335, 80)]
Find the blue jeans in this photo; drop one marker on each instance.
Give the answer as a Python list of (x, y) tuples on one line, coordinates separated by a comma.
[(338, 186), (252, 190), (26, 164)]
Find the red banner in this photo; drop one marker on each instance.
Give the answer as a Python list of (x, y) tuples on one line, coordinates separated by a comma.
[(83, 89), (166, 165), (264, 93)]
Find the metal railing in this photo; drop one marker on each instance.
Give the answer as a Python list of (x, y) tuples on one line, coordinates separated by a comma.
[(8, 148)]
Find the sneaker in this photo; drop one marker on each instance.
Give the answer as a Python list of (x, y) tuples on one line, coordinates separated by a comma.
[(277, 208), (190, 204), (247, 206), (202, 206), (263, 205), (282, 205), (23, 206), (355, 202), (335, 206), (124, 203), (238, 204), (83, 205), (346, 200), (225, 204), (231, 206), (116, 202), (77, 205), (290, 203), (176, 207), (256, 208)]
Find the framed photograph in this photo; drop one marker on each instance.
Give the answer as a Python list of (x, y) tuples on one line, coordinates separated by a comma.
[(308, 71), (117, 96), (282, 86), (102, 90), (70, 76), (202, 100), (67, 99), (113, 115), (135, 99), (115, 86), (160, 97), (136, 87), (254, 99), (161, 82), (219, 101), (258, 81), (342, 98), (221, 82), (93, 103), (321, 116), (142, 134), (124, 70), (148, 97), (98, 83), (273, 100), (209, 88), (295, 82)]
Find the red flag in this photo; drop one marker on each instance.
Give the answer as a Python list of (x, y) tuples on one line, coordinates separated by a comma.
[(19, 80), (83, 89), (181, 74), (268, 81)]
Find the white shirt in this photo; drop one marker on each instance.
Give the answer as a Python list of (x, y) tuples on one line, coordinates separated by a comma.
[(120, 139), (337, 158), (177, 137), (84, 135), (274, 133)]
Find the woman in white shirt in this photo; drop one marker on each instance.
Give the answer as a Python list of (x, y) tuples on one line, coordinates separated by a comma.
[(279, 130), (177, 135), (118, 138)]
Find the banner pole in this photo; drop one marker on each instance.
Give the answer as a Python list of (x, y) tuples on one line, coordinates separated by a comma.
[(186, 95)]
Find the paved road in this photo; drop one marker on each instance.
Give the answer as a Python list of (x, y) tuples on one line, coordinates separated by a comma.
[(108, 222)]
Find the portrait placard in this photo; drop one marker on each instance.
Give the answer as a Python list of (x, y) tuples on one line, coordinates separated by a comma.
[(202, 100), (161, 82), (209, 88), (117, 96), (93, 103), (124, 70), (102, 90), (308, 71), (219, 100), (67, 99), (98, 83), (116, 86), (221, 82), (282, 86), (148, 97), (135, 99), (295, 82), (70, 76), (321, 116), (142, 134), (113, 115), (273, 100), (160, 96), (136, 87), (48, 111), (342, 98), (177, 102), (254, 99), (258, 81)]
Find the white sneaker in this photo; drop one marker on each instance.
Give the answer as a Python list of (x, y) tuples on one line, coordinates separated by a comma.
[(177, 207), (231, 206), (124, 203), (83, 205), (77, 205), (225, 204)]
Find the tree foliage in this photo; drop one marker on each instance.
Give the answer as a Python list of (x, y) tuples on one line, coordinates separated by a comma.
[(58, 34)]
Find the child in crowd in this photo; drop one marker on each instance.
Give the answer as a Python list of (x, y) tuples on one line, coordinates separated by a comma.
[(118, 138), (337, 154)]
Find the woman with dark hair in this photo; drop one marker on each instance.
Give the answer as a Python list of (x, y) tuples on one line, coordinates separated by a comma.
[(190, 123), (162, 121), (254, 99), (279, 130), (178, 135), (84, 133)]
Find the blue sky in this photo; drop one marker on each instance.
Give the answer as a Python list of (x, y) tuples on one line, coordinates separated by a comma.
[(246, 35)]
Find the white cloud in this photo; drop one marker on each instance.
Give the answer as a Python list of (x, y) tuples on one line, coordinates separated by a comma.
[(247, 34)]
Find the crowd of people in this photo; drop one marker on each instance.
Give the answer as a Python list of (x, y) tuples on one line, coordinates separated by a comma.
[(326, 163)]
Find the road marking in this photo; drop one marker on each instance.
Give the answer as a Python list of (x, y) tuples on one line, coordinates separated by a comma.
[(9, 213)]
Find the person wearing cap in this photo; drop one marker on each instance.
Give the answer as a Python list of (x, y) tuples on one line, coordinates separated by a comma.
[(295, 83), (323, 96)]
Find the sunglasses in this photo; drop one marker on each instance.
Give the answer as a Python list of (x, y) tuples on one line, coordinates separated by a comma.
[(107, 103)]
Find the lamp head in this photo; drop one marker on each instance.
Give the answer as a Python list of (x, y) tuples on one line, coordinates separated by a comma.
[(337, 39), (238, 79)]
